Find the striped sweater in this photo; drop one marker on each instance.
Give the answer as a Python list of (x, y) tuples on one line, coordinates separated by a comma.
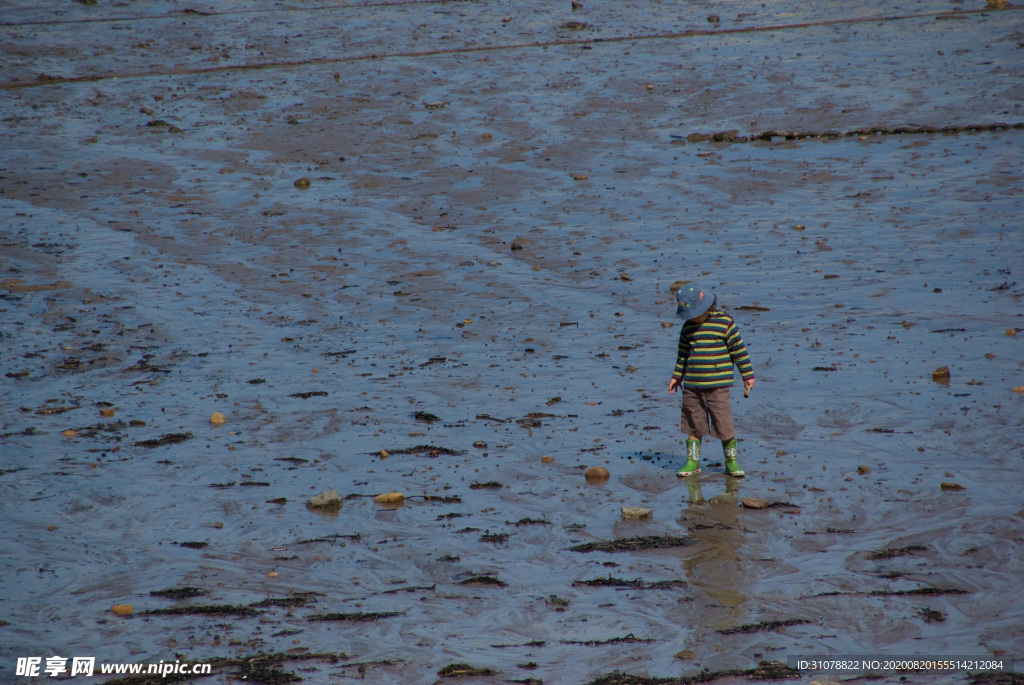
[(707, 352)]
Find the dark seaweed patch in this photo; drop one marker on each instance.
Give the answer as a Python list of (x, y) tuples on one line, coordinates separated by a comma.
[(529, 522), (931, 615), (766, 670), (307, 395), (294, 601), (489, 485), (257, 668), (357, 616), (166, 439), (918, 592), (426, 448), (762, 626), (994, 678), (637, 583), (626, 639), (494, 537), (330, 538), (254, 483), (484, 580), (458, 670), (178, 593), (194, 544), (425, 416), (896, 552), (643, 542), (206, 610), (447, 499)]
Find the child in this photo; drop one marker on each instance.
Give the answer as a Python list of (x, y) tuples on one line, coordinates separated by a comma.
[(709, 345)]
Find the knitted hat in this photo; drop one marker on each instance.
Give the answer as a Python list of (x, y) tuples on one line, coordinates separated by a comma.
[(692, 300)]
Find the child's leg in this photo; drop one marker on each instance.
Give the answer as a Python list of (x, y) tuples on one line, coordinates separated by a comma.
[(694, 425), (720, 410)]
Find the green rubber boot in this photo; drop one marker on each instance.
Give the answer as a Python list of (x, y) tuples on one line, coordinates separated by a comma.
[(692, 465), (731, 465)]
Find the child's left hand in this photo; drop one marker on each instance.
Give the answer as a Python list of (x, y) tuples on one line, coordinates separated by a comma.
[(748, 385)]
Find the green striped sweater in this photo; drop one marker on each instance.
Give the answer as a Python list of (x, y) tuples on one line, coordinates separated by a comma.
[(707, 352)]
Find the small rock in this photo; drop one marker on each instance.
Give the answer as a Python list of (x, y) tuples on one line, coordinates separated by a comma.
[(597, 474), (952, 486), (1019, 388), (69, 433), (390, 498), (516, 245), (941, 375), (123, 609), (547, 459), (636, 512), (302, 183), (625, 277), (725, 498), (755, 503), (217, 418), (480, 445), (580, 177), (384, 454), (1011, 332), (713, 19), (862, 469), (487, 136), (326, 499), (685, 654), (107, 412)]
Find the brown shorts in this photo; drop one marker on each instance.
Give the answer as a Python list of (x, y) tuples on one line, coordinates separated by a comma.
[(708, 412)]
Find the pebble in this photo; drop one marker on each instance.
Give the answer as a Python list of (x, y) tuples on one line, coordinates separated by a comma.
[(302, 183), (597, 474), (580, 177), (328, 498), (952, 486), (755, 503), (390, 498), (862, 469), (123, 609), (685, 654), (547, 459), (636, 512), (941, 375), (480, 445), (107, 412), (69, 433), (217, 418)]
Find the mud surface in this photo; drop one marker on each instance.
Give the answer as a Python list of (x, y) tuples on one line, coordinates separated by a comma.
[(417, 246)]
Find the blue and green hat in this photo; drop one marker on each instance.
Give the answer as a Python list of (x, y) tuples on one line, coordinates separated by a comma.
[(692, 300)]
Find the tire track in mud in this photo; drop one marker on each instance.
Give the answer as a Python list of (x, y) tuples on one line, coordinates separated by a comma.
[(46, 79), (176, 14)]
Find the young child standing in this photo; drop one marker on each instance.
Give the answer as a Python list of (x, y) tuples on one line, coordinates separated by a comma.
[(709, 346)]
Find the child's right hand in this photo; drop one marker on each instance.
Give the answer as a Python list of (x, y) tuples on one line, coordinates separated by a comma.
[(673, 384)]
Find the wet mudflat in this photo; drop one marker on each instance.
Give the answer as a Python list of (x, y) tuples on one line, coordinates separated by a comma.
[(418, 247)]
